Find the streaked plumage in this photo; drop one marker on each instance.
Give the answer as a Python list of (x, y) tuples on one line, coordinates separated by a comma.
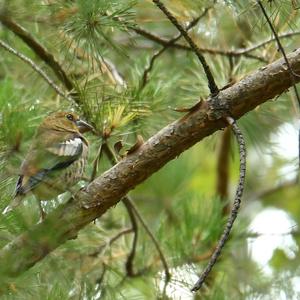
[(55, 160)]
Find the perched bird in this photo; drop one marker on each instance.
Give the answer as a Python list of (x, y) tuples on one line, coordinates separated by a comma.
[(55, 160)]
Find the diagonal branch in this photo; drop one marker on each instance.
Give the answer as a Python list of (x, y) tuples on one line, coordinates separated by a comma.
[(266, 42), (163, 49), (108, 189), (211, 81), (35, 68), (293, 74), (38, 49), (170, 43)]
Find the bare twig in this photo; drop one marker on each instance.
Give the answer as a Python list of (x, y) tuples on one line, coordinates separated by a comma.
[(236, 205), (101, 277), (214, 51), (274, 189), (167, 45), (264, 43), (38, 49), (152, 237), (35, 68), (211, 81), (96, 162), (292, 73), (134, 226)]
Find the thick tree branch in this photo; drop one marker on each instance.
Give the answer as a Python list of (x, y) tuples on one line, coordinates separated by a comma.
[(108, 189)]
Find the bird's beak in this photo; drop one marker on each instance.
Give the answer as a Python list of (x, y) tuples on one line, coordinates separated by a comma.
[(84, 126)]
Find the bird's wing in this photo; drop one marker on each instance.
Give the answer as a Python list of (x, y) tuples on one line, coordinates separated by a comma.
[(42, 162)]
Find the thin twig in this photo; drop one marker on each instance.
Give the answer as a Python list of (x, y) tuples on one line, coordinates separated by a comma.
[(264, 43), (214, 51), (274, 189), (129, 201), (211, 81), (35, 68), (236, 205), (111, 241), (281, 50), (152, 237), (292, 73), (168, 45), (129, 262), (96, 162), (38, 49), (101, 277)]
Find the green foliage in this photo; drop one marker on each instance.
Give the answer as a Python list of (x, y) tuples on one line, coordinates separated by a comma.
[(96, 44)]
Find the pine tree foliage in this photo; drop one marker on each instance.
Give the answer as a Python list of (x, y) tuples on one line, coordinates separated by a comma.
[(107, 50)]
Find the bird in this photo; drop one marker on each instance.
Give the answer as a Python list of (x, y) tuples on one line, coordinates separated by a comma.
[(55, 161)]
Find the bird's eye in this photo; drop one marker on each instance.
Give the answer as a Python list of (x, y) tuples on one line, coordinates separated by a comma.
[(70, 117)]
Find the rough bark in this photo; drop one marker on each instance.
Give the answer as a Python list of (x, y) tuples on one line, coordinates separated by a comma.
[(109, 188)]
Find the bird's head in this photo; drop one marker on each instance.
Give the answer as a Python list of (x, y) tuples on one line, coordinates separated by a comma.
[(65, 121)]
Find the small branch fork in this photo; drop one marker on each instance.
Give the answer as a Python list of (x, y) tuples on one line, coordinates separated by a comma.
[(167, 45), (214, 90), (236, 205)]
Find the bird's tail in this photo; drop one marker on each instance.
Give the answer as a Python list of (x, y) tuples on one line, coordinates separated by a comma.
[(14, 203)]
